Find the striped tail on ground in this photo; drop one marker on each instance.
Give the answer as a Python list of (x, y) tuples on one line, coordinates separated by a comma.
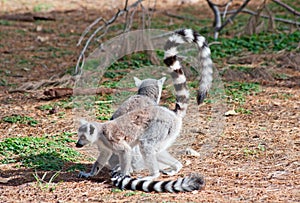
[(206, 64), (187, 184)]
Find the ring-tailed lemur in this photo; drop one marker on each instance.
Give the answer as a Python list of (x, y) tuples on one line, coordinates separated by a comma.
[(153, 128), (149, 93)]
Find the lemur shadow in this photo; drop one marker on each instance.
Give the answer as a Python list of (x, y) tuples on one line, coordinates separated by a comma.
[(54, 169)]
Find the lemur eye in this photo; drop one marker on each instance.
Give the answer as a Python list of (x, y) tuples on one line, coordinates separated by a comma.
[(82, 137)]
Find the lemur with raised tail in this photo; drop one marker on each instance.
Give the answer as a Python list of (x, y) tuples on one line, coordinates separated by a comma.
[(153, 128)]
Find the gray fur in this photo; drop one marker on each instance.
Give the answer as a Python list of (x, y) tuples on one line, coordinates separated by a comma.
[(206, 64), (136, 128), (148, 94), (153, 128)]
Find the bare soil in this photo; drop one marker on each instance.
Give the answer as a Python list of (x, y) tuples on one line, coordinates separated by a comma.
[(256, 158)]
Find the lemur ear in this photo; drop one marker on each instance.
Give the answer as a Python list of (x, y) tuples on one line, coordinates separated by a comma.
[(137, 81), (162, 80), (92, 129), (83, 121)]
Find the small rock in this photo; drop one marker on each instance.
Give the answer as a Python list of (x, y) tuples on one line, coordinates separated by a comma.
[(4, 180), (231, 113), (188, 162), (42, 39), (39, 28), (190, 151)]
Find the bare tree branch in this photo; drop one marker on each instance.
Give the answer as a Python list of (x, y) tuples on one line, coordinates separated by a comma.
[(290, 9), (222, 5), (105, 26), (230, 19), (217, 20), (218, 25), (248, 11), (88, 29), (226, 8)]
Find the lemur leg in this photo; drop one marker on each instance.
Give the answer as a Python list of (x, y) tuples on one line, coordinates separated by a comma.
[(98, 165), (152, 165), (125, 157), (166, 158), (114, 160), (151, 162)]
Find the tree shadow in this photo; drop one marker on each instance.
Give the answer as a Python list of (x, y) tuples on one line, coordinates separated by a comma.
[(48, 165)]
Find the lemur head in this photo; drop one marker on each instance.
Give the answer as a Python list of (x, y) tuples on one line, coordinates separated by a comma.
[(150, 87), (87, 133)]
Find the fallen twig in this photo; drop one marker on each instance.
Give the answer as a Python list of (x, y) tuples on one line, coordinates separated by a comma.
[(54, 93), (27, 17), (66, 80)]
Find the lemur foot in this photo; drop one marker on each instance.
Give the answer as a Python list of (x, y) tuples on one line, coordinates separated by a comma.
[(84, 175)]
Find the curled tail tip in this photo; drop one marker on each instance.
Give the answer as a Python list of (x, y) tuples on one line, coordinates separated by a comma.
[(197, 181), (200, 97)]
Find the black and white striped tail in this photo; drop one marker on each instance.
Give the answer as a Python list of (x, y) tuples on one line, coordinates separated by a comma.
[(187, 184), (170, 59)]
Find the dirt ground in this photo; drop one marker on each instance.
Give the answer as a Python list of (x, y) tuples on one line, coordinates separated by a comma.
[(254, 158)]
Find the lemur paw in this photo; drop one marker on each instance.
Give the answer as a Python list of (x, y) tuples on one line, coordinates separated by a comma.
[(169, 172), (84, 175)]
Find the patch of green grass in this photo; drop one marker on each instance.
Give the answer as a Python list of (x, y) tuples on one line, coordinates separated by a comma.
[(24, 62), (21, 32), (240, 68), (104, 109), (281, 76), (236, 91), (243, 110), (3, 82), (133, 61), (254, 151), (5, 23), (130, 193), (259, 43), (110, 84), (45, 107), (20, 119), (64, 104), (42, 7), (43, 153), (76, 167), (116, 190), (284, 96)]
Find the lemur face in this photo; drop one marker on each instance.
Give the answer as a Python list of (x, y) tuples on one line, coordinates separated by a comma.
[(85, 134)]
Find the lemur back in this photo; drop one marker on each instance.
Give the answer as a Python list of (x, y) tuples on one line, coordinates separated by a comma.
[(153, 128), (149, 93)]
